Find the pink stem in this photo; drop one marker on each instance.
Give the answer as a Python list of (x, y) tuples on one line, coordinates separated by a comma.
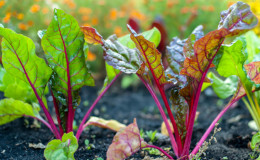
[(56, 107), (206, 134), (194, 107), (70, 116), (81, 127), (41, 120), (47, 114), (173, 142), (158, 148)]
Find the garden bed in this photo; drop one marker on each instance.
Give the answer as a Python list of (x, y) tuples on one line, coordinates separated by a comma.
[(124, 106)]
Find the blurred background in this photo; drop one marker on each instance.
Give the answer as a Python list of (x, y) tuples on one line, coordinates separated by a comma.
[(172, 17)]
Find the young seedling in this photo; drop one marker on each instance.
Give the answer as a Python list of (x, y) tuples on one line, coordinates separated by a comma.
[(189, 61), (25, 77)]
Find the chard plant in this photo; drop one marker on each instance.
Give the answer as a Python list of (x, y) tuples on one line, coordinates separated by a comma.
[(239, 63), (189, 61), (26, 78)]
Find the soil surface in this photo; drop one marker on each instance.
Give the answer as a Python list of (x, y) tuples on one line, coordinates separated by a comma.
[(124, 106)]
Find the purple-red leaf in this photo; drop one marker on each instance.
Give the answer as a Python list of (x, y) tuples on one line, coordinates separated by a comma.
[(150, 54), (253, 71), (238, 19), (91, 35), (125, 143)]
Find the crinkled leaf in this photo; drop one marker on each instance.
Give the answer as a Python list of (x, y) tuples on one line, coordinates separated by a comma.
[(125, 143), (153, 35), (121, 57), (62, 149), (223, 88), (109, 124), (253, 71), (63, 45), (150, 54), (180, 108), (20, 60), (238, 19), (92, 36), (11, 109)]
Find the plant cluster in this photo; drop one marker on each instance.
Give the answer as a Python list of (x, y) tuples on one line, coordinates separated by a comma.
[(65, 72)]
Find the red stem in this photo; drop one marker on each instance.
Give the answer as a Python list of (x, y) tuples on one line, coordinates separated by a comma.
[(206, 134), (47, 114), (158, 148), (176, 131), (70, 116), (194, 108), (173, 142), (81, 127), (57, 113)]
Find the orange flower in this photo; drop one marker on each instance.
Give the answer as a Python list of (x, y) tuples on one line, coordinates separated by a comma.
[(87, 24), (20, 16), (101, 2), (170, 4), (118, 30), (121, 14), (91, 56), (113, 14), (137, 15), (30, 23), (2, 3), (94, 21), (7, 17), (35, 8), (84, 18), (36, 0), (45, 10), (72, 5), (22, 26), (185, 10), (84, 10)]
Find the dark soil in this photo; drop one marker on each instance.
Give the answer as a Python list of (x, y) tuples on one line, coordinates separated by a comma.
[(124, 106)]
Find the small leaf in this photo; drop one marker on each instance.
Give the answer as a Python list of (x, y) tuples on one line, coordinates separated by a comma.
[(223, 89), (62, 149), (92, 36), (21, 61), (253, 71), (255, 141), (125, 143), (11, 109), (102, 123), (238, 19), (150, 54)]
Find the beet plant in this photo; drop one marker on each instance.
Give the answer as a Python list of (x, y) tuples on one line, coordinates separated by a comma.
[(26, 78), (189, 61)]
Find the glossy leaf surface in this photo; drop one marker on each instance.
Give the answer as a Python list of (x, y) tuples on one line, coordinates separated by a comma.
[(20, 60), (63, 46)]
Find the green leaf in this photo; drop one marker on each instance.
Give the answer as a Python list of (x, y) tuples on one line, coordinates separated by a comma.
[(152, 35), (253, 46), (20, 60), (11, 109), (111, 73), (230, 59), (223, 88), (62, 149), (255, 141), (63, 45)]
